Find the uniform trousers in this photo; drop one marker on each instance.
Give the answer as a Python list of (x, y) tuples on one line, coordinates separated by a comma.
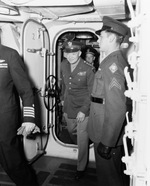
[(79, 131), (110, 172), (11, 152)]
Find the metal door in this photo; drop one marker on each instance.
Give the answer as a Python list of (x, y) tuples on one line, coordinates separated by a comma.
[(36, 55)]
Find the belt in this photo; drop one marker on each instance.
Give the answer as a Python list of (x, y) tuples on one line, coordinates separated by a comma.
[(97, 100)]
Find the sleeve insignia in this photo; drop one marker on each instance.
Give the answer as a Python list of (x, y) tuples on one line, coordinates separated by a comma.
[(113, 68), (114, 83), (3, 64), (2, 60), (28, 112)]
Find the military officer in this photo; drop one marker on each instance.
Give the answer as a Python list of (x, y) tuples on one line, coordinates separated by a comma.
[(14, 83), (77, 76), (108, 105)]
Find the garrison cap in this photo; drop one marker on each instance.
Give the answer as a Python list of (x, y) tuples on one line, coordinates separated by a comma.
[(72, 46), (114, 26)]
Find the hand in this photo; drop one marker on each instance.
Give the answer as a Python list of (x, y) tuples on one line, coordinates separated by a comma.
[(104, 151), (27, 128), (80, 117)]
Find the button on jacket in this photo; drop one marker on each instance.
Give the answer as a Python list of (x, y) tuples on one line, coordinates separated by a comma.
[(78, 87), (106, 120)]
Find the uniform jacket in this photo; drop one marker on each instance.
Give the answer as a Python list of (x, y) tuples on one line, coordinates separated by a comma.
[(106, 120), (14, 82), (78, 86)]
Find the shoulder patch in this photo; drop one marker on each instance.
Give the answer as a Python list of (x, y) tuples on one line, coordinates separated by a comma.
[(113, 68)]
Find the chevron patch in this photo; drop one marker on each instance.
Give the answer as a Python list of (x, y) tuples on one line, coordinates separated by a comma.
[(113, 68), (114, 83)]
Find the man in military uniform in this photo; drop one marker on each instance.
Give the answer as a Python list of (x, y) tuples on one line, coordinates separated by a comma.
[(108, 105), (14, 82), (91, 57), (77, 76)]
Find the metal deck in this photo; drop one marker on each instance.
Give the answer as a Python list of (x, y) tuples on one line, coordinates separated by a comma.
[(52, 171)]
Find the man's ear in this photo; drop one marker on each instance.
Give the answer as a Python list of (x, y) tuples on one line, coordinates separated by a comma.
[(80, 52), (112, 37)]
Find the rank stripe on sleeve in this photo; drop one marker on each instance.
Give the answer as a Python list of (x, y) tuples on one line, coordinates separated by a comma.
[(28, 112), (3, 65)]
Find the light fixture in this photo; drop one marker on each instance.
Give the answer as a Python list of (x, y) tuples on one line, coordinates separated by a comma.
[(8, 10), (84, 35)]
